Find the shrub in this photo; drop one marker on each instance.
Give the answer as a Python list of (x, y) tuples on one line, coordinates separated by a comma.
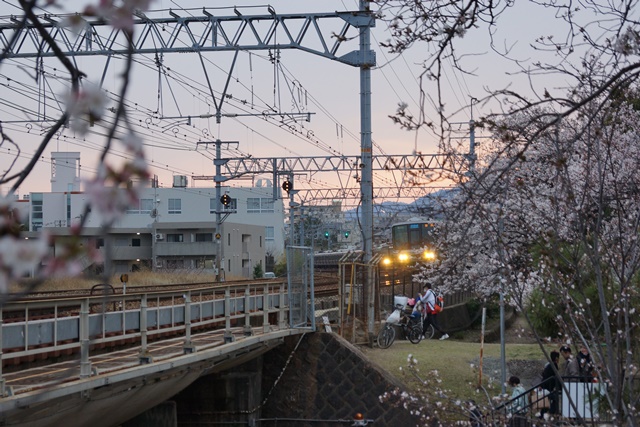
[(542, 309), (280, 269), (492, 304), (257, 271)]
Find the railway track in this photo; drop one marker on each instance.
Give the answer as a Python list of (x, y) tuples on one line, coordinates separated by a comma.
[(102, 289), (324, 280), (13, 309), (59, 304)]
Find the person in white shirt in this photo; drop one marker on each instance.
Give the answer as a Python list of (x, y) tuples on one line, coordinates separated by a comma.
[(428, 299)]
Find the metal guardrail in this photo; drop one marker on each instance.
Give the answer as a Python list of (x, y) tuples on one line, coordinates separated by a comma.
[(77, 324), (577, 400)]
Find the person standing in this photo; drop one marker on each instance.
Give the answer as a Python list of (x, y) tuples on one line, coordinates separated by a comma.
[(519, 403), (582, 366), (550, 382), (569, 370), (428, 299)]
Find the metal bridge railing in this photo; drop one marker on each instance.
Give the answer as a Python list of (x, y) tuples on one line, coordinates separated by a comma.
[(578, 402), (30, 329)]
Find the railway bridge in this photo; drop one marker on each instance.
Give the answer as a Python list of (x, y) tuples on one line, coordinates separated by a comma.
[(102, 360), (109, 359)]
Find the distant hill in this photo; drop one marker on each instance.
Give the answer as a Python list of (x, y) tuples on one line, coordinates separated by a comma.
[(426, 206)]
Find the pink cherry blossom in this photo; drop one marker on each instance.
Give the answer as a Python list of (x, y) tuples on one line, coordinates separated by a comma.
[(86, 107), (19, 257)]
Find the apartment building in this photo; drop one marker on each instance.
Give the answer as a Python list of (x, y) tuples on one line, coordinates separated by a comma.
[(166, 228)]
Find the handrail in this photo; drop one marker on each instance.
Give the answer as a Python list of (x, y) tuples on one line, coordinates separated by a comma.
[(73, 324), (507, 404), (576, 399)]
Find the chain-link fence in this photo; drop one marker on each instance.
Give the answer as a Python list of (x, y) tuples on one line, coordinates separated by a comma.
[(358, 300), (301, 287)]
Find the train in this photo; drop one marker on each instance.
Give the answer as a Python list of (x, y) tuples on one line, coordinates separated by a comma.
[(412, 241)]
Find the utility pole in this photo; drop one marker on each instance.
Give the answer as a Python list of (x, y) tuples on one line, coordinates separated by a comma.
[(471, 157), (302, 219), (219, 179), (366, 165), (292, 210)]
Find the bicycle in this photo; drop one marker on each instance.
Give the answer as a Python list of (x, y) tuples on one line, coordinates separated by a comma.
[(430, 332), (412, 329)]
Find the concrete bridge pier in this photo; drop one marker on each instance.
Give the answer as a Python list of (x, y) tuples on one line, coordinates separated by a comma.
[(162, 415), (231, 396)]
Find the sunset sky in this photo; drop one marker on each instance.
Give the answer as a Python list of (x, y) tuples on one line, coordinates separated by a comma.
[(304, 82)]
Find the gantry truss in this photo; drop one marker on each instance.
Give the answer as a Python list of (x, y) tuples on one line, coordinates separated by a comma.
[(190, 31), (311, 196), (406, 164)]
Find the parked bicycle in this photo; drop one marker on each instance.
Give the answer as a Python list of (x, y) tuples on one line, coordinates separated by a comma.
[(410, 325)]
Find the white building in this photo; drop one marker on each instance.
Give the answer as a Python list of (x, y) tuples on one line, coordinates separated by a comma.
[(169, 228)]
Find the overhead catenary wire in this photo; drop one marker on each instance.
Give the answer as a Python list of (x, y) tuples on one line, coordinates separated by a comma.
[(185, 141)]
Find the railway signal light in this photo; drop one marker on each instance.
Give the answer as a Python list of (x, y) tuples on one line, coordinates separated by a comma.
[(326, 234), (225, 199), (346, 234), (287, 186)]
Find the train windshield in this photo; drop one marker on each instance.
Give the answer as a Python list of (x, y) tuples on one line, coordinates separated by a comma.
[(412, 235)]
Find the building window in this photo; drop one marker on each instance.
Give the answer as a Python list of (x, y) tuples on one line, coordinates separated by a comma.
[(175, 238), (269, 234), (175, 206), (266, 205), (204, 237), (204, 263), (232, 206), (146, 206), (141, 206), (135, 242), (260, 205), (253, 205), (69, 208), (269, 262), (175, 263), (36, 211)]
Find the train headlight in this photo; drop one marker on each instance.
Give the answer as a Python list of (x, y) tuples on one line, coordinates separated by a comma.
[(403, 257), (429, 255), (386, 260)]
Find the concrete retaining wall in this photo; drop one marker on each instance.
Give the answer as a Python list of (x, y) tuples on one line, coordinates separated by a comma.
[(326, 378), (317, 379)]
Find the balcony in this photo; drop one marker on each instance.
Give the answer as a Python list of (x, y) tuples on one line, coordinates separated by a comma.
[(125, 253), (185, 249)]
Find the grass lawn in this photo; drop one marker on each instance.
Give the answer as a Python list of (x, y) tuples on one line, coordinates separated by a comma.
[(456, 362)]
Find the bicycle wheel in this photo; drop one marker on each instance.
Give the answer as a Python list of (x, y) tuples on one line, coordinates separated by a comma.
[(386, 336), (414, 334), (429, 333)]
